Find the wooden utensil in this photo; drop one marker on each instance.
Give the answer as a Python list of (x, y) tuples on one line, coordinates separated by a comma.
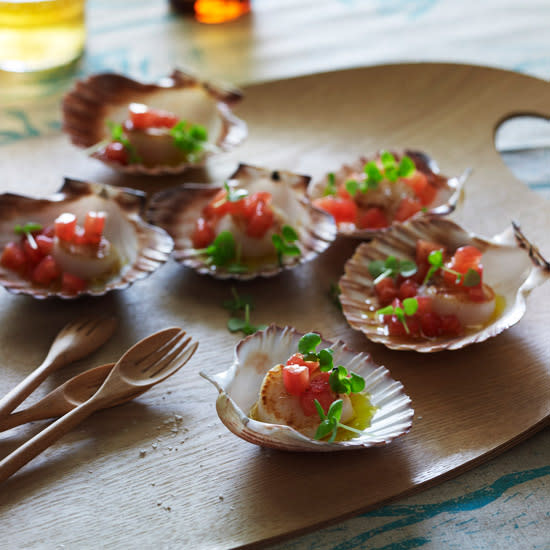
[(145, 364), (65, 398), (76, 340)]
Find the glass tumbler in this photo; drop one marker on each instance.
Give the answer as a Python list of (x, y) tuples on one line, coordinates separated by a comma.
[(38, 35)]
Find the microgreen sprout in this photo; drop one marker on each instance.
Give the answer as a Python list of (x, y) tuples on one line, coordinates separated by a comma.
[(234, 195), (189, 138), (307, 347), (29, 227), (390, 171), (236, 323), (391, 267), (330, 422), (223, 252), (238, 303), (283, 243), (330, 188), (117, 134), (342, 381), (27, 230), (410, 307), (470, 279)]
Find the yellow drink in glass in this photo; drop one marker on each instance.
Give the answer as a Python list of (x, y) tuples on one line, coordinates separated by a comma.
[(37, 35)]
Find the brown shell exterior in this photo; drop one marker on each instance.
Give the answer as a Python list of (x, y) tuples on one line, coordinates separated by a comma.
[(451, 189), (152, 244), (358, 298), (85, 108), (177, 209)]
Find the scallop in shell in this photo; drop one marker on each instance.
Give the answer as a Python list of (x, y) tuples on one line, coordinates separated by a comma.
[(101, 100), (178, 209), (508, 269), (239, 388), (140, 248), (447, 191)]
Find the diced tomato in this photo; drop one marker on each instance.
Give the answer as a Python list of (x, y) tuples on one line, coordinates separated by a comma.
[(32, 252), (464, 258), (46, 271), (424, 305), (477, 294), (116, 152), (395, 326), (408, 289), (296, 379), (407, 208), (143, 117), (249, 204), (319, 388), (49, 231), (386, 291), (413, 324), (13, 257), (65, 226), (72, 283), (94, 224), (424, 191), (450, 325), (431, 324), (44, 243), (203, 233), (343, 193), (218, 206), (260, 221), (342, 210), (373, 218), (298, 359)]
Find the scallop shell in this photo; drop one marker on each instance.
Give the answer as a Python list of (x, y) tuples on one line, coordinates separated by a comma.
[(177, 210), (141, 247), (105, 97), (446, 200), (511, 271), (239, 387)]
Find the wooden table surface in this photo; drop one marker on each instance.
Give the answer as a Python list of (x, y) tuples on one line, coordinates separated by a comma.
[(74, 479)]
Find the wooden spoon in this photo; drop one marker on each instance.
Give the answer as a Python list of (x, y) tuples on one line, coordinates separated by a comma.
[(64, 398), (145, 364), (76, 340)]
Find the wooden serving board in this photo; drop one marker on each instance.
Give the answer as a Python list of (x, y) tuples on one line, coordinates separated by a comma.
[(163, 469)]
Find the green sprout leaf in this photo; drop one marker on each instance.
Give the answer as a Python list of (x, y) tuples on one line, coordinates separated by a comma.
[(238, 303), (308, 343), (234, 195), (235, 324), (391, 267), (189, 138), (283, 243), (29, 227), (406, 167), (342, 381), (410, 307), (352, 186), (330, 422), (222, 250), (325, 359), (470, 279), (118, 134), (330, 188)]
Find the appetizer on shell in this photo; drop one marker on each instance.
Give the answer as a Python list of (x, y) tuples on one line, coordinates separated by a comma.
[(159, 128), (85, 233), (257, 224), (239, 390), (371, 194), (510, 265)]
